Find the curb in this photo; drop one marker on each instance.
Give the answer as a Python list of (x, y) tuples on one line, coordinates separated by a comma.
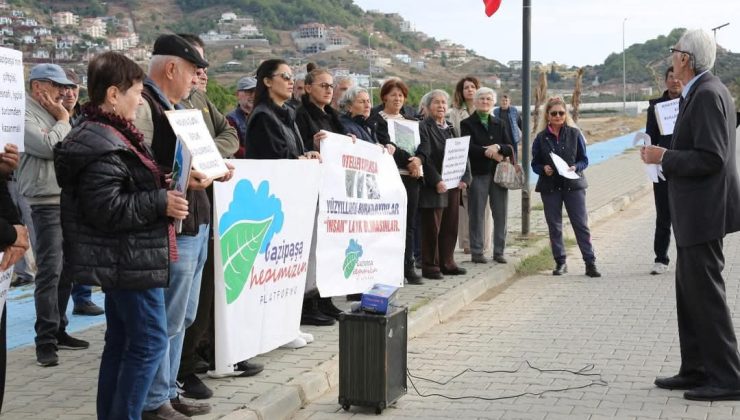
[(284, 402)]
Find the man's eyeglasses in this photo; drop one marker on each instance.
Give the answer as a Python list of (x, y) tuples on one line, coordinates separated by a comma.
[(676, 50), (285, 76), (557, 113), (59, 85), (325, 85)]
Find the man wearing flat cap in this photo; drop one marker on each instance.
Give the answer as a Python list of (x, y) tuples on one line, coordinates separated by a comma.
[(172, 73), (47, 123), (240, 115)]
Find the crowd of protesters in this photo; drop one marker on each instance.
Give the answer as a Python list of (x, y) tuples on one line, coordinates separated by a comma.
[(91, 198)]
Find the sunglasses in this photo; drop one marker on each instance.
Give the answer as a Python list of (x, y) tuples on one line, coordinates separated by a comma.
[(325, 85), (285, 76), (557, 113)]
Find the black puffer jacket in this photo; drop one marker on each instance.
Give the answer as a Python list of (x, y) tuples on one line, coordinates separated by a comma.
[(114, 212)]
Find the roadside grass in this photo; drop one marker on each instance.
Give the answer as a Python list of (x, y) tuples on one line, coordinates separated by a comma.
[(539, 262)]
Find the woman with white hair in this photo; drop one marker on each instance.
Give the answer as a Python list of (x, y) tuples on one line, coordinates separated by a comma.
[(439, 206), (489, 145)]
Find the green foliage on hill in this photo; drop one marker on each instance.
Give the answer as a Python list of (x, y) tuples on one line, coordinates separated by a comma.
[(221, 96), (637, 59), (287, 14), (408, 39)]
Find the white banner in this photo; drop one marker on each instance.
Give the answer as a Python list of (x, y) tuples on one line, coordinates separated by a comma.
[(455, 161), (361, 228), (12, 99), (263, 223)]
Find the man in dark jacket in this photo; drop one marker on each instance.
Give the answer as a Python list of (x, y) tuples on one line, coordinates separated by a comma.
[(660, 189), (172, 74), (704, 197), (240, 115)]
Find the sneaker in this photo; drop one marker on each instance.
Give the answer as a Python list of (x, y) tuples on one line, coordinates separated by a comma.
[(165, 412), (500, 259), (297, 343), (189, 407), (46, 355), (88, 308), (192, 387), (306, 336), (242, 369), (67, 342), (479, 259), (659, 268)]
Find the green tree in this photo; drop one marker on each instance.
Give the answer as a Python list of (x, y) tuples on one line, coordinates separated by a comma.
[(223, 98)]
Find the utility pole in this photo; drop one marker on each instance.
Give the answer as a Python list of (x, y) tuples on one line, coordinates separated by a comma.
[(714, 30), (624, 73), (526, 96)]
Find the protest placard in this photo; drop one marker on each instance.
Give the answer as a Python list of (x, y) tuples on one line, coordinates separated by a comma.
[(404, 134), (189, 126), (361, 227), (181, 166), (666, 113), (455, 161), (12, 99), (5, 277), (263, 224)]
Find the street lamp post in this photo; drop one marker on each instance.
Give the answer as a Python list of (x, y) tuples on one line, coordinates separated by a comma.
[(370, 64), (624, 73), (714, 30)]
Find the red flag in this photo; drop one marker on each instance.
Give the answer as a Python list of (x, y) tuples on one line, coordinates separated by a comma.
[(491, 6)]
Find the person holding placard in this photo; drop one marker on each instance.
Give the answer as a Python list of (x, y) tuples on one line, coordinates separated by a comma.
[(439, 206), (116, 211), (393, 94), (559, 136), (489, 145), (662, 238), (173, 71)]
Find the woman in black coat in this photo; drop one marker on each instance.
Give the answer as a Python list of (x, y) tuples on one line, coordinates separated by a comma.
[(489, 144), (439, 206), (117, 214), (559, 136), (315, 112)]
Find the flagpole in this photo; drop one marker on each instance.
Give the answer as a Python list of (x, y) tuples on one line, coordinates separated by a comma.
[(526, 96)]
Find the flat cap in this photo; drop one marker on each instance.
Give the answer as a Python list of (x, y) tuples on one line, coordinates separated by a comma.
[(246, 83), (171, 44), (51, 72)]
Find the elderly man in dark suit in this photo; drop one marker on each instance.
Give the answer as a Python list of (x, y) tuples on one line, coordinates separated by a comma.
[(704, 200)]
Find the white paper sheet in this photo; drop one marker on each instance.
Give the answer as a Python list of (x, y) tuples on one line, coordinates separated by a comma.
[(562, 167), (654, 172)]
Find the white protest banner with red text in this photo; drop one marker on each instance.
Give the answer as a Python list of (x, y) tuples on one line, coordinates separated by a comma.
[(263, 223), (361, 228)]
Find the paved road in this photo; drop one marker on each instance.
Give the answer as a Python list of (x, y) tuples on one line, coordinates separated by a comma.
[(624, 324)]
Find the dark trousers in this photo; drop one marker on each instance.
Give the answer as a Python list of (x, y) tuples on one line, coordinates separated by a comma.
[(201, 332), (51, 294), (412, 186), (81, 294), (708, 343), (662, 222), (135, 344), (439, 235), (575, 205)]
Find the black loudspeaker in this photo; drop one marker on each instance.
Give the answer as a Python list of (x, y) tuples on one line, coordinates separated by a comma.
[(372, 358)]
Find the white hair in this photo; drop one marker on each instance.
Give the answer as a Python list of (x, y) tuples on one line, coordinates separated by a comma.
[(158, 62), (433, 94), (485, 91), (701, 47), (349, 96)]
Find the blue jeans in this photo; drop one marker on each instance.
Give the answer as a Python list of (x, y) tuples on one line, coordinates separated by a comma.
[(51, 294), (81, 294), (135, 343), (181, 304)]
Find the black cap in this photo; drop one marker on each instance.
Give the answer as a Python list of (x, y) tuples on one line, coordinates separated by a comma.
[(171, 44)]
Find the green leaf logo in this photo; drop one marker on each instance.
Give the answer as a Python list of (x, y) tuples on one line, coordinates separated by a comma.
[(239, 247), (351, 255)]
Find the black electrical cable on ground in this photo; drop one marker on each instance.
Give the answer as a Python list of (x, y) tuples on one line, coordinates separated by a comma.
[(581, 372)]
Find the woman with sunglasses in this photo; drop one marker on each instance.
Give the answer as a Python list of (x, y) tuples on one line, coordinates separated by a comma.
[(315, 112), (559, 135)]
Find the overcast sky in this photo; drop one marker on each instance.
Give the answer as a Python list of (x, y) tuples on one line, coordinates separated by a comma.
[(574, 32)]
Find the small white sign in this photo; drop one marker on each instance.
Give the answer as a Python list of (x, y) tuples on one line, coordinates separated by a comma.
[(455, 161), (404, 134), (5, 277), (666, 113), (190, 128), (12, 99)]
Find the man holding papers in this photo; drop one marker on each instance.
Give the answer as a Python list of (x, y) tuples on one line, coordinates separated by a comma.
[(660, 189)]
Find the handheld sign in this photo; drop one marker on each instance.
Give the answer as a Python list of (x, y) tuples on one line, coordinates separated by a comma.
[(12, 99), (190, 128), (181, 173), (455, 161), (666, 113), (404, 134), (5, 277)]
